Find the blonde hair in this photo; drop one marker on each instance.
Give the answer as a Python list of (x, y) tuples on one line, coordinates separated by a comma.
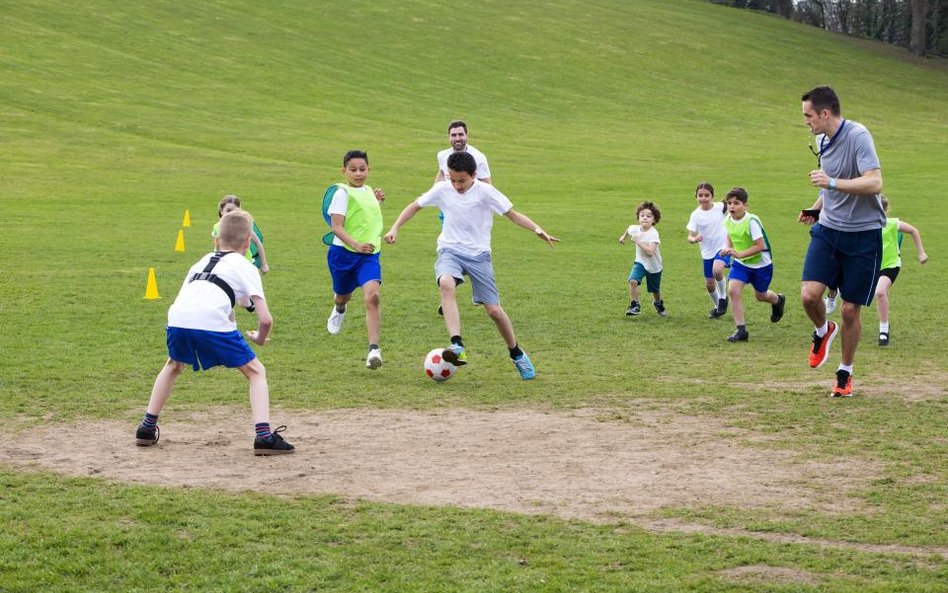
[(235, 229)]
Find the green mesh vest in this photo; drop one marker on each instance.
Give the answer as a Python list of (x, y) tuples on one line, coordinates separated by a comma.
[(739, 232)]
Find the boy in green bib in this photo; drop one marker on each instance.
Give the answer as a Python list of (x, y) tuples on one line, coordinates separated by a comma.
[(353, 211), (892, 234), (751, 262)]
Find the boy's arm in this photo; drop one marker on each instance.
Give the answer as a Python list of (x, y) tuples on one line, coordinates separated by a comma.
[(264, 267), (264, 321), (916, 238), (754, 249), (728, 246), (524, 221), (694, 237), (410, 210), (647, 248), (339, 229)]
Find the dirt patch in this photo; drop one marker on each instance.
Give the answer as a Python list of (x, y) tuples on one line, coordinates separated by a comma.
[(762, 573), (573, 465)]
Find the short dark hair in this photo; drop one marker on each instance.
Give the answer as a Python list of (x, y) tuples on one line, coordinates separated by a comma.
[(656, 213), (355, 154), (823, 97), (458, 123), (462, 162), (738, 193)]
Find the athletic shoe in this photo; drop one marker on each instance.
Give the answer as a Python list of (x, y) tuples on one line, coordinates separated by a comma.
[(146, 437), (524, 367), (455, 354), (776, 310), (334, 323), (660, 308), (634, 309), (718, 311), (830, 305), (273, 445), (722, 305), (739, 335), (374, 359), (844, 384), (820, 351), (440, 310), (883, 338)]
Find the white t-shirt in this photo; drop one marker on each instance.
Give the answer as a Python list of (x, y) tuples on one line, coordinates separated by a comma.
[(204, 305), (483, 170), (468, 217), (710, 225), (651, 263)]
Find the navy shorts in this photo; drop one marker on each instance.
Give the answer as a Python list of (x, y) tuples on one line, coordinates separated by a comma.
[(847, 260), (759, 278), (206, 349), (350, 270), (653, 280), (709, 264)]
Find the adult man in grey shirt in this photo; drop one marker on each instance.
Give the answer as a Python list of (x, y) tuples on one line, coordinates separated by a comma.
[(845, 249)]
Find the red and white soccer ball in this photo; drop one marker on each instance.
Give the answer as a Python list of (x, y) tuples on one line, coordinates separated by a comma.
[(437, 368)]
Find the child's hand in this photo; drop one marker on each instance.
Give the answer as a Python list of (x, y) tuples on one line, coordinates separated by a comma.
[(728, 251), (379, 195), (365, 248), (699, 238), (550, 240), (622, 240), (390, 237), (922, 257), (264, 268), (255, 337)]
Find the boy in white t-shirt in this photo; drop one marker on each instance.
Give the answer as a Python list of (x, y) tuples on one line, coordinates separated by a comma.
[(648, 258), (202, 331), (464, 249)]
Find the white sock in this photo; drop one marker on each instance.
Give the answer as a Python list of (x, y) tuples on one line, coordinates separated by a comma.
[(883, 327), (713, 295), (821, 331), (831, 300), (722, 288), (845, 367)]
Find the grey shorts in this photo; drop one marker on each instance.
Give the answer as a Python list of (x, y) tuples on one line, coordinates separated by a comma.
[(479, 269)]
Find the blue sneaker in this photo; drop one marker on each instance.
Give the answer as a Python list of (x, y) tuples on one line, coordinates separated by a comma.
[(525, 367), (455, 355)]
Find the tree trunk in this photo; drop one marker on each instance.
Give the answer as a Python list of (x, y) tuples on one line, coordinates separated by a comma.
[(918, 38)]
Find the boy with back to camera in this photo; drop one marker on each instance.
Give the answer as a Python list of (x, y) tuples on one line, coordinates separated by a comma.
[(751, 262), (464, 249), (648, 258), (202, 331)]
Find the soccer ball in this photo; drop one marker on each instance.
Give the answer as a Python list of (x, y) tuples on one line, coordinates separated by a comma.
[(437, 368)]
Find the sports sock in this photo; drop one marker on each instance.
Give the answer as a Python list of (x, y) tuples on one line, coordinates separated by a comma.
[(883, 327), (722, 288), (263, 430), (150, 420), (373, 347), (457, 340), (845, 367), (713, 295), (821, 331), (516, 352)]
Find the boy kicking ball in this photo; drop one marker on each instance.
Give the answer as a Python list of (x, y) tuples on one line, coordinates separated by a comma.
[(202, 331)]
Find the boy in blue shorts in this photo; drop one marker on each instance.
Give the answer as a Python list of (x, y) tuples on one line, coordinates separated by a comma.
[(749, 248), (355, 215), (202, 331), (464, 249), (648, 258)]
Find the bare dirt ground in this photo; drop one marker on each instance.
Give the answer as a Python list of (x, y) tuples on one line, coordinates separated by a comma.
[(578, 464)]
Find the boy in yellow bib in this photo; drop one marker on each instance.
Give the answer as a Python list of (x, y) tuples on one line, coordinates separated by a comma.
[(355, 216), (751, 263)]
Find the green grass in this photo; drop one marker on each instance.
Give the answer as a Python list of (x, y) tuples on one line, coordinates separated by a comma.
[(118, 117)]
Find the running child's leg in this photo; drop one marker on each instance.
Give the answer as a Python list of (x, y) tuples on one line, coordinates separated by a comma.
[(447, 286), (163, 384), (373, 314)]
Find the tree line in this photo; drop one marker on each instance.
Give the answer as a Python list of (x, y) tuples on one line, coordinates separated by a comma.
[(921, 26)]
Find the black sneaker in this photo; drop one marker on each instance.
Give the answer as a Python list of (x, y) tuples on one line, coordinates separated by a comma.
[(440, 310), (722, 306), (718, 311), (883, 338), (634, 309), (660, 308), (146, 437), (739, 335), (274, 445), (776, 310)]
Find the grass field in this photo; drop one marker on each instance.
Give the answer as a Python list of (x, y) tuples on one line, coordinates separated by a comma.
[(117, 117)]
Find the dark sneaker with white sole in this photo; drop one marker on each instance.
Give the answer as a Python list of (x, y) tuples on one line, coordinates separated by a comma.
[(739, 335), (273, 445), (146, 437), (776, 310), (883, 338)]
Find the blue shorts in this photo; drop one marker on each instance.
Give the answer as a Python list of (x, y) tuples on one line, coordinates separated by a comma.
[(848, 261), (480, 269), (653, 280), (350, 270), (206, 349), (709, 264), (759, 278)]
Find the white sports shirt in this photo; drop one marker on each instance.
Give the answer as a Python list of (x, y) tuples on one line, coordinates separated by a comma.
[(204, 305), (651, 263), (710, 225), (468, 217), (483, 170)]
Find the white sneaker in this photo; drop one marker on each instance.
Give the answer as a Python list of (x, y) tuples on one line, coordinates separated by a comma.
[(830, 305), (374, 359), (334, 323)]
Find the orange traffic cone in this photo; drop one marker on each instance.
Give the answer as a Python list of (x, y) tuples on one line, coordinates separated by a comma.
[(179, 244), (151, 289), (187, 219)]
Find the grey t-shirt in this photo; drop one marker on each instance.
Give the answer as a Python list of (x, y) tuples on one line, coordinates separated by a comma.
[(850, 153)]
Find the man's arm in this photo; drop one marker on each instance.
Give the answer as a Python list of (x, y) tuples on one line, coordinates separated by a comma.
[(868, 183)]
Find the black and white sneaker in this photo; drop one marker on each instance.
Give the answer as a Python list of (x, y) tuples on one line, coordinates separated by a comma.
[(146, 437), (739, 335), (634, 309), (776, 310), (660, 308), (273, 445), (883, 338)]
